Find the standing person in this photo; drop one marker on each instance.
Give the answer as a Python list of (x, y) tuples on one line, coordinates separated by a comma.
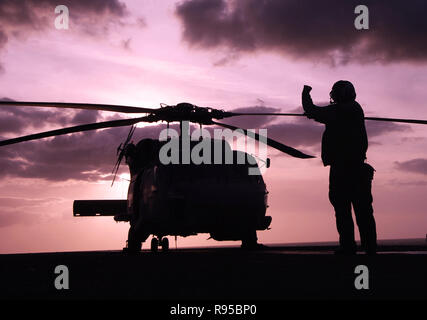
[(344, 146)]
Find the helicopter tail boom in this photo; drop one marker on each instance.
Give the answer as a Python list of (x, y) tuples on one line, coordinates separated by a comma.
[(90, 208)]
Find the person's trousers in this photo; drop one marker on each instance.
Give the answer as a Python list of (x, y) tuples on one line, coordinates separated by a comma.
[(349, 186)]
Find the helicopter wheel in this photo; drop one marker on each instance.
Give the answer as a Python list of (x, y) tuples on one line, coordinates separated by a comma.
[(154, 245), (165, 244)]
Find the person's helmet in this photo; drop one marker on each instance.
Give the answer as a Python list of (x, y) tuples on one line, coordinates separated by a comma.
[(342, 91)]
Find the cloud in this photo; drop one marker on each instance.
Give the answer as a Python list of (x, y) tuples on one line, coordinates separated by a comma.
[(316, 30), (27, 15), (24, 18), (26, 211), (377, 128), (15, 202), (415, 166), (251, 122), (87, 156), (413, 139), (300, 133), (227, 59), (126, 44), (141, 22), (13, 217), (416, 183), (15, 120)]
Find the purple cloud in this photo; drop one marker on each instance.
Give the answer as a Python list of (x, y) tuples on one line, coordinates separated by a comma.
[(17, 119), (315, 30), (21, 19), (415, 166)]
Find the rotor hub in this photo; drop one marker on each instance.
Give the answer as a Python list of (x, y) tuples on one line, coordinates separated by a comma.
[(187, 112)]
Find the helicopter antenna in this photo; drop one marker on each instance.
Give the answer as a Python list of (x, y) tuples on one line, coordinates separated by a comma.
[(266, 162), (121, 152)]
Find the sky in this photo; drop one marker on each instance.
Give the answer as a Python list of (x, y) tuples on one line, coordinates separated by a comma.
[(247, 55)]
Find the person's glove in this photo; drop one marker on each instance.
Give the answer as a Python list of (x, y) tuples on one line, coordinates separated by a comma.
[(307, 89)]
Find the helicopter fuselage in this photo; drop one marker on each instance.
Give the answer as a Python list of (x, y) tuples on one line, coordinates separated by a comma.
[(186, 199), (223, 199)]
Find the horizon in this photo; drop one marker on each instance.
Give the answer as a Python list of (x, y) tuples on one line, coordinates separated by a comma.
[(381, 242)]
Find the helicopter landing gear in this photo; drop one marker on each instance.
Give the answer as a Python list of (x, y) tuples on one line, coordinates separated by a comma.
[(250, 241), (154, 245), (133, 243), (163, 242)]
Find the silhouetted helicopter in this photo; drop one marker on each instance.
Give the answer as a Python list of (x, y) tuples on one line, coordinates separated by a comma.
[(181, 199)]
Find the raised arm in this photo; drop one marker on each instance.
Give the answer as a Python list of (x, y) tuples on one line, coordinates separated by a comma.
[(319, 114)]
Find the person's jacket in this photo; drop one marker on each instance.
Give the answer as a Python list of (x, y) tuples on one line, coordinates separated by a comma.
[(344, 141)]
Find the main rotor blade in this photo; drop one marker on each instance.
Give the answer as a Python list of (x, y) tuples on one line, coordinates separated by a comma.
[(397, 120), (232, 114), (270, 142), (80, 128), (87, 106)]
